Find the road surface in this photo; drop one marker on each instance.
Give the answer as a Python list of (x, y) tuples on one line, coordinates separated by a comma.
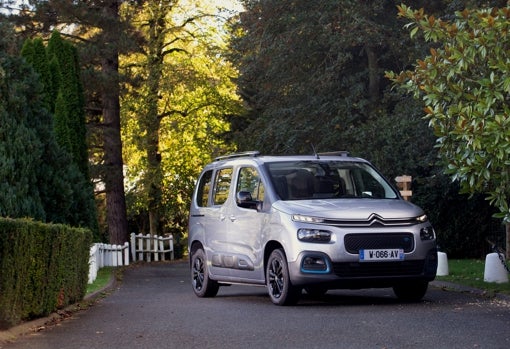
[(154, 307)]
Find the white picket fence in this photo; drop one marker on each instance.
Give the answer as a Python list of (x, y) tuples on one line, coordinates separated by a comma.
[(151, 247), (107, 255), (143, 247)]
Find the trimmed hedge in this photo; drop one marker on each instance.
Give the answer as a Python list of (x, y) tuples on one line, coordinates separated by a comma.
[(43, 267)]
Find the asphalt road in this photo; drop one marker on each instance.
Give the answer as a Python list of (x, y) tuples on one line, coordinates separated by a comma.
[(154, 307)]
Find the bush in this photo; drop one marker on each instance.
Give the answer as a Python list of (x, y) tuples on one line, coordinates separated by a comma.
[(43, 267)]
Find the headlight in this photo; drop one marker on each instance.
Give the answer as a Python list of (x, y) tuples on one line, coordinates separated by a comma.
[(314, 235), (422, 218), (306, 219), (427, 233)]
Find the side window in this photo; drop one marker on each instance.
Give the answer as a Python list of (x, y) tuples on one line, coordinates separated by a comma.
[(204, 186), (222, 185), (249, 181)]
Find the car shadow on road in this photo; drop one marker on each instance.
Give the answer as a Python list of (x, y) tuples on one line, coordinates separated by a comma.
[(331, 298)]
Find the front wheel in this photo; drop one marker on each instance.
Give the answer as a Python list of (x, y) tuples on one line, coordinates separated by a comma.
[(203, 286), (280, 289), (411, 291)]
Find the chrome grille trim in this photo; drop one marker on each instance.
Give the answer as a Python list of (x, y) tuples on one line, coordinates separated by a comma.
[(373, 221)]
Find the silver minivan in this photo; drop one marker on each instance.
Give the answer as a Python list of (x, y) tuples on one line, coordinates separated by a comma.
[(313, 223)]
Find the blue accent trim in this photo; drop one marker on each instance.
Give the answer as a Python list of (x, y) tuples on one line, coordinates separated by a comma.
[(308, 271)]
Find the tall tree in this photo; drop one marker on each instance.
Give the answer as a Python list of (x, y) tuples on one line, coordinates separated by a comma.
[(101, 35), (173, 116), (464, 85), (68, 123), (110, 94), (316, 66), (70, 111), (39, 179), (20, 146), (34, 52)]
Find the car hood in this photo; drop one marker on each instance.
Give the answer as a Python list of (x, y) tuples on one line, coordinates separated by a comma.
[(351, 209)]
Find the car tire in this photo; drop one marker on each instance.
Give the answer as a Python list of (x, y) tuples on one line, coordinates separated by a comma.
[(203, 286), (411, 291), (280, 289)]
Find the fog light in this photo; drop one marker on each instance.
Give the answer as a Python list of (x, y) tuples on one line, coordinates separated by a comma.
[(427, 233), (314, 264)]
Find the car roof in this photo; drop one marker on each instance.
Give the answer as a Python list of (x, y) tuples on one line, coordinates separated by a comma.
[(255, 156)]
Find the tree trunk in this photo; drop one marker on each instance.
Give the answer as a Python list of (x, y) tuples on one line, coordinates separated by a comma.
[(152, 121), (373, 76), (116, 216)]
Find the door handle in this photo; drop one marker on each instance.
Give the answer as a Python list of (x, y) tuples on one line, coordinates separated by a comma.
[(222, 217), (232, 218)]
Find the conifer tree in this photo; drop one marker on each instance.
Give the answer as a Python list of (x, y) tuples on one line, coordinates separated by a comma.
[(69, 105), (38, 178), (35, 54), (20, 147), (102, 36)]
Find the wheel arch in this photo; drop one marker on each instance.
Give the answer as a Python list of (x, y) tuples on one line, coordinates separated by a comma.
[(195, 245), (270, 247)]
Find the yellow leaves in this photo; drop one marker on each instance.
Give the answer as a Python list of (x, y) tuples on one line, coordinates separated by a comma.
[(428, 110), (406, 12)]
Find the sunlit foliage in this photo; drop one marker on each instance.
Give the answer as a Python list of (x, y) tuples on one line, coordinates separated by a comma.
[(174, 109)]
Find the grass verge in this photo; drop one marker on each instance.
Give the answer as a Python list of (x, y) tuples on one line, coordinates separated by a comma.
[(103, 278), (470, 272)]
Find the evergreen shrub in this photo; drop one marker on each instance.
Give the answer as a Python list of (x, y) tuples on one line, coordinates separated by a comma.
[(43, 267)]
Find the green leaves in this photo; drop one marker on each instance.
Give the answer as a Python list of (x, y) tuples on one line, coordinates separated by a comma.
[(464, 83), (174, 114)]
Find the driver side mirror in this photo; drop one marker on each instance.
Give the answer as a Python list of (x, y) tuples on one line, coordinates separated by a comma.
[(244, 200)]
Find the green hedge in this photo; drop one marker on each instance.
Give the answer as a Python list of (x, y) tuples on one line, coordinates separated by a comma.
[(43, 267)]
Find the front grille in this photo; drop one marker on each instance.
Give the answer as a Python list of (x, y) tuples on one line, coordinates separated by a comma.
[(373, 221), (355, 242), (376, 269)]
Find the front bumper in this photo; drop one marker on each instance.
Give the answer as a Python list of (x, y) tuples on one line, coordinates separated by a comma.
[(316, 268)]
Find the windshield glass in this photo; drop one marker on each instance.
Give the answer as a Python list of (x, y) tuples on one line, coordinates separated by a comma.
[(322, 179)]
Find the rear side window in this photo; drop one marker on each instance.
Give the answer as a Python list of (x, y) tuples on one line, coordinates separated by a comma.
[(222, 185), (204, 187)]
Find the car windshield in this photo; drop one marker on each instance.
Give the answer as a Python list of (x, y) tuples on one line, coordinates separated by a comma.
[(323, 179)]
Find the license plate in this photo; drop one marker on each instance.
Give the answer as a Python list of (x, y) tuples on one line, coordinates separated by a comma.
[(396, 254)]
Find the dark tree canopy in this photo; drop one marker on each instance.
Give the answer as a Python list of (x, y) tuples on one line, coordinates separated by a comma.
[(100, 36), (38, 178), (313, 73)]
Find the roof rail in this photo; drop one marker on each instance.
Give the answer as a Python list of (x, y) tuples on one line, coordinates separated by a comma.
[(336, 153), (252, 153)]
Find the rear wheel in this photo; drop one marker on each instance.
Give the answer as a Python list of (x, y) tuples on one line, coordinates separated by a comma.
[(280, 289), (411, 291), (203, 286)]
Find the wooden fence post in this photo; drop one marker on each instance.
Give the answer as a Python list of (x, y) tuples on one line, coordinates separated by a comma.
[(404, 185), (139, 247), (162, 248), (155, 239), (171, 247), (132, 238), (148, 249), (126, 253)]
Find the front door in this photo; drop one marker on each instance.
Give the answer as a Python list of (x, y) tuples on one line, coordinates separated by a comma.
[(245, 222)]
